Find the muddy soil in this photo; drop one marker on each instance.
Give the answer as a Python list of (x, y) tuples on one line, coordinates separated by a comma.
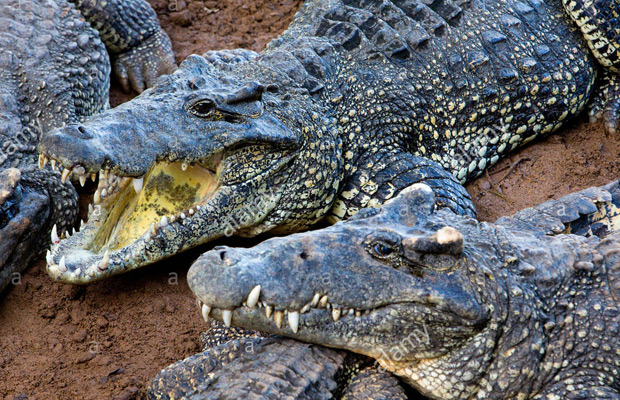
[(108, 339)]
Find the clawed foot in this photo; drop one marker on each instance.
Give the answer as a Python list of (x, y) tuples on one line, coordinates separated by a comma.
[(606, 103), (140, 67)]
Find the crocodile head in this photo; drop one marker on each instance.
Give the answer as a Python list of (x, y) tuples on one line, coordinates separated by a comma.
[(203, 154), (398, 284)]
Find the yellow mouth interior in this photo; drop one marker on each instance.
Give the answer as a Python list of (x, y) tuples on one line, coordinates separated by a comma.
[(167, 191)]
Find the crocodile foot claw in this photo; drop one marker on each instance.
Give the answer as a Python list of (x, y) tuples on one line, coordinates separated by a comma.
[(140, 67), (606, 102)]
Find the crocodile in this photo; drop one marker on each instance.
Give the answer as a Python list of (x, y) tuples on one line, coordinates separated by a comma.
[(355, 101), (457, 308), (273, 368), (54, 71)]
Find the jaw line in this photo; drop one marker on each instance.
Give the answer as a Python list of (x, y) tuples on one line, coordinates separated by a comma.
[(70, 261)]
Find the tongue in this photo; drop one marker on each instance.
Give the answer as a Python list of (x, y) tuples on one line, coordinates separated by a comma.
[(167, 191)]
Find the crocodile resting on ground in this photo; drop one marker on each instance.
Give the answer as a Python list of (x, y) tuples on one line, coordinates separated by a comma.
[(354, 102), (54, 70), (456, 308)]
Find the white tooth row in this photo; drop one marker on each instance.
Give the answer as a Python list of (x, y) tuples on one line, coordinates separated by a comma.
[(167, 220), (66, 173), (318, 301)]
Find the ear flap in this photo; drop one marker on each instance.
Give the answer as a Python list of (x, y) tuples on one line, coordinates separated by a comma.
[(413, 204)]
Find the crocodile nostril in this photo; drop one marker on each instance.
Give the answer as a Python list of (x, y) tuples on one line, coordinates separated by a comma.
[(303, 255), (78, 131), (223, 255)]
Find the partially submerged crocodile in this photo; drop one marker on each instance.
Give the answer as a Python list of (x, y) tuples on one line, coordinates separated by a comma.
[(354, 102), (54, 70), (457, 308)]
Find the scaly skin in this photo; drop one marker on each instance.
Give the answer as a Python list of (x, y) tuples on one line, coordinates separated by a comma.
[(54, 71), (456, 308), (353, 103), (273, 368)]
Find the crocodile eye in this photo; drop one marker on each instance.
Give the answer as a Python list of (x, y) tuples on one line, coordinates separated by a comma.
[(382, 250), (203, 108)]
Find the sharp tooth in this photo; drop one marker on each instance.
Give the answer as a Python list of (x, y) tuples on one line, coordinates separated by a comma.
[(293, 320), (278, 317), (305, 308), (191, 211), (183, 216), (205, 310), (315, 300), (137, 184), (93, 176), (358, 313), (154, 228), (323, 302), (62, 265), (164, 221), (103, 264), (351, 312), (253, 296), (97, 197), (184, 166), (53, 163), (65, 175), (41, 161), (55, 238), (73, 232), (49, 258), (227, 317), (82, 223), (336, 314), (104, 192), (82, 180), (78, 272), (268, 311)]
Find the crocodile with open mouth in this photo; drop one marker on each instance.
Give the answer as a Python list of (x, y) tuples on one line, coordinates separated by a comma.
[(459, 309), (54, 70), (354, 102)]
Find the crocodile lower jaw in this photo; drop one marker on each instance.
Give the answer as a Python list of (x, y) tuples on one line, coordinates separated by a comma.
[(127, 214)]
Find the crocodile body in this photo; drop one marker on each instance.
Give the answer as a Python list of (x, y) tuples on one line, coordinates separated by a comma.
[(54, 71), (354, 102), (456, 308)]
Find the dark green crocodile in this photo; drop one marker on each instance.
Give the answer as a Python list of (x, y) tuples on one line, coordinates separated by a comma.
[(456, 308), (354, 102), (54, 71)]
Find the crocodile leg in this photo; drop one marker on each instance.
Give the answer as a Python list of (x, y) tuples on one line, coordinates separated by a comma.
[(140, 50), (371, 383), (272, 368), (383, 175), (596, 20), (605, 103), (591, 212)]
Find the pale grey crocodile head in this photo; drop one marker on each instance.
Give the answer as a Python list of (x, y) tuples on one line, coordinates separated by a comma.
[(455, 307), (201, 155)]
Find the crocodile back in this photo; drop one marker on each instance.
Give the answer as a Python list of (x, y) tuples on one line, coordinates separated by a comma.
[(53, 70), (471, 79)]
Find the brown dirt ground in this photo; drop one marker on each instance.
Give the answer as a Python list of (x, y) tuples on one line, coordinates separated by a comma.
[(108, 339)]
